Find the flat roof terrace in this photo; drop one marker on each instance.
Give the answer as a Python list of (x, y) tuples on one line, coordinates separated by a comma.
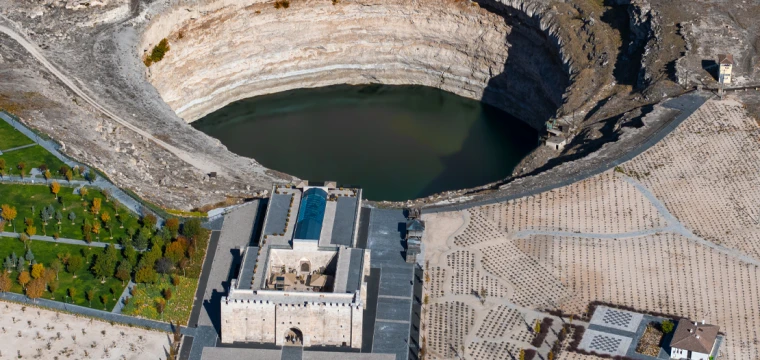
[(284, 201)]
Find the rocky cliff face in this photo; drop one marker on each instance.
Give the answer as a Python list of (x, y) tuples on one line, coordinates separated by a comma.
[(226, 51)]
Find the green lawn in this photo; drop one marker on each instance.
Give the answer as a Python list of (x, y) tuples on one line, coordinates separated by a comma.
[(46, 252), (178, 308), (33, 157), (24, 197), (10, 137)]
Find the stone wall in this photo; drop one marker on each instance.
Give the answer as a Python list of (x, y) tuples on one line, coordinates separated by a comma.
[(321, 323)]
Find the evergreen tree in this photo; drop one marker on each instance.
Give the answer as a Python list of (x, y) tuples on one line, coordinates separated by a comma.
[(8, 264), (72, 217), (29, 256)]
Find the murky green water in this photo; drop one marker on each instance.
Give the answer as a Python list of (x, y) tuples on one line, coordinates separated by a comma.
[(396, 142)]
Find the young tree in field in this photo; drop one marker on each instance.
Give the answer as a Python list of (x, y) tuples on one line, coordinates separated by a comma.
[(21, 168), (96, 202), (9, 214), (106, 194), (24, 278), (5, 282), (176, 280), (53, 286), (49, 275), (667, 326), (164, 265), (192, 228), (123, 271), (90, 295), (96, 229), (104, 299), (72, 217), (56, 266), (36, 288), (75, 264), (160, 306), (55, 188), (167, 294), (83, 192), (37, 271), (47, 175), (106, 218), (183, 264), (72, 292), (8, 264), (2, 165), (58, 218), (29, 256), (24, 239), (69, 175), (20, 266)]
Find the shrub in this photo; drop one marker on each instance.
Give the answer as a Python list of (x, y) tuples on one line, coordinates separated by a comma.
[(158, 52), (282, 4)]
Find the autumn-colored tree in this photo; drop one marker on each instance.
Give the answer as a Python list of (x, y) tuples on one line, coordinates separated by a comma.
[(36, 288), (150, 221), (69, 175), (96, 228), (31, 230), (83, 192), (29, 221), (5, 282), (9, 214), (53, 286), (49, 275), (175, 251), (183, 264), (167, 293), (75, 264), (37, 271), (96, 202), (55, 188), (72, 292), (105, 217), (47, 175), (123, 271), (173, 225), (176, 280), (160, 306), (24, 278), (104, 299)]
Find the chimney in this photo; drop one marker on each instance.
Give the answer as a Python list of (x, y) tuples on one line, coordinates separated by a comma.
[(703, 321)]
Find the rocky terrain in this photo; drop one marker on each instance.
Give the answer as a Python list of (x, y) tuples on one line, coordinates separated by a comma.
[(587, 63)]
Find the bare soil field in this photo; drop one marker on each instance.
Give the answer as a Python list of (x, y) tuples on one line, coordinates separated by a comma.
[(671, 232), (29, 332)]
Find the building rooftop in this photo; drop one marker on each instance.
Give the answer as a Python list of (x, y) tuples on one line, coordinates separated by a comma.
[(415, 225), (725, 59), (694, 336), (311, 214), (249, 265)]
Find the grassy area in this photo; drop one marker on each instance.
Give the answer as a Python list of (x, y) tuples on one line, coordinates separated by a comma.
[(33, 157), (10, 137), (178, 307), (45, 252), (24, 197)]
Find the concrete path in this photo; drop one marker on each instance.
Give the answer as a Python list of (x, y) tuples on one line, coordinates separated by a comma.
[(61, 240), (124, 295), (17, 148)]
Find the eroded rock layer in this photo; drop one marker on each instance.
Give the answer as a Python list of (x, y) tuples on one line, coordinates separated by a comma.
[(227, 51)]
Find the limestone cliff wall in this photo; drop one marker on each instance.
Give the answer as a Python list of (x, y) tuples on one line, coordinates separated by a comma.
[(223, 51)]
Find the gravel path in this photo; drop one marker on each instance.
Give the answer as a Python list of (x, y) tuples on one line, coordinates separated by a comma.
[(61, 240)]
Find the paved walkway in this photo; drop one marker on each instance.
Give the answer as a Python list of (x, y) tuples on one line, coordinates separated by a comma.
[(17, 148), (124, 295), (52, 147), (61, 240)]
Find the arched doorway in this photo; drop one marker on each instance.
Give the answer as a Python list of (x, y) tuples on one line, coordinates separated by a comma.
[(294, 337)]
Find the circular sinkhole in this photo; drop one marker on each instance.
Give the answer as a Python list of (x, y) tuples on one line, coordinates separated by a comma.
[(395, 142)]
